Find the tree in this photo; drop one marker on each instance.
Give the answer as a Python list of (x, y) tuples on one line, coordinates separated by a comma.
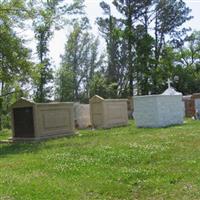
[(15, 65), (110, 29), (165, 18), (131, 11), (99, 85), (169, 18), (189, 53), (187, 64), (181, 65), (14, 57), (143, 59), (78, 66), (49, 16)]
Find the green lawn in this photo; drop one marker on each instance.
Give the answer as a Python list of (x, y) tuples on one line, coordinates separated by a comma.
[(120, 163)]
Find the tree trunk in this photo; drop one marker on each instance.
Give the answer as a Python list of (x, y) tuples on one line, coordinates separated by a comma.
[(1, 105), (130, 63)]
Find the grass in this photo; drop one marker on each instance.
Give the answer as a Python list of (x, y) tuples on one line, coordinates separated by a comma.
[(118, 164), (5, 134)]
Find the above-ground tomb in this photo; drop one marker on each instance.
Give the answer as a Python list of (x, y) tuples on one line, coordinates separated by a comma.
[(159, 110), (33, 121), (192, 105), (107, 113), (82, 115)]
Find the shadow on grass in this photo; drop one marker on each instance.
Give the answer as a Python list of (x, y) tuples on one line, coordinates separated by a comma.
[(19, 148), (36, 146), (185, 123)]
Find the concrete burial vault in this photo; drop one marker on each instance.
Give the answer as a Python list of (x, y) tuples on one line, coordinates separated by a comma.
[(82, 116), (34, 121), (158, 110), (192, 104), (107, 113)]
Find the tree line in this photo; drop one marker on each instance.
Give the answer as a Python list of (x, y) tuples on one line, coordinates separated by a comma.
[(145, 44)]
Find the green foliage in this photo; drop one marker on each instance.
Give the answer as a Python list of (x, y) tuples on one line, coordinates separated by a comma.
[(5, 134), (135, 53), (79, 65), (13, 13), (11, 93), (131, 10), (143, 61), (110, 28), (13, 56), (187, 60), (49, 16), (119, 163), (15, 64), (43, 32), (64, 81), (169, 18), (99, 85)]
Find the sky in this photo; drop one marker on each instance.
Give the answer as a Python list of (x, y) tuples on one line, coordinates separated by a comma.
[(93, 11)]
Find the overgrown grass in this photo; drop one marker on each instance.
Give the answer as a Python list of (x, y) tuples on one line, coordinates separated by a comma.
[(120, 163)]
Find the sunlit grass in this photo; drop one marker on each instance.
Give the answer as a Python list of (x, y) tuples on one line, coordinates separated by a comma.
[(118, 163)]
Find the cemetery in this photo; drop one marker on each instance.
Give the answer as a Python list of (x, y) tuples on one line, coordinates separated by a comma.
[(108, 143), (99, 100), (106, 147)]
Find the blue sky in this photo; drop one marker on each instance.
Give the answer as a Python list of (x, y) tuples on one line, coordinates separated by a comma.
[(93, 10)]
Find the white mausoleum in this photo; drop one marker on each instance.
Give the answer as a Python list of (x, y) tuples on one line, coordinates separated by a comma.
[(159, 110)]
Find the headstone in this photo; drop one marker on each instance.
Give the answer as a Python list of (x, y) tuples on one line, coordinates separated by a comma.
[(82, 116), (108, 113), (159, 110), (35, 121)]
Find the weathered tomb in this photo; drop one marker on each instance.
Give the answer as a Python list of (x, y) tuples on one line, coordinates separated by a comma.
[(192, 105), (189, 106), (82, 116), (107, 113), (159, 110), (130, 107), (35, 121)]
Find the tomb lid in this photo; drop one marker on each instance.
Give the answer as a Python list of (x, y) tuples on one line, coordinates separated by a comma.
[(171, 91), (196, 95), (187, 97), (27, 100), (96, 98), (23, 102)]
